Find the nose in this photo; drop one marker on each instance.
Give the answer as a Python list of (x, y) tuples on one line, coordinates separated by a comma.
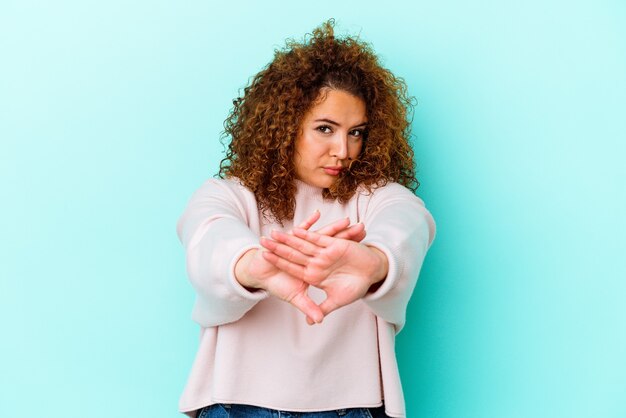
[(339, 148)]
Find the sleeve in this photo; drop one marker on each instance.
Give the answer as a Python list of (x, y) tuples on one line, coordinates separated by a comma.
[(398, 224), (214, 232)]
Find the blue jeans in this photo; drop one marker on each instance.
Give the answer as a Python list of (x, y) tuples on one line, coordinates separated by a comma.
[(248, 411)]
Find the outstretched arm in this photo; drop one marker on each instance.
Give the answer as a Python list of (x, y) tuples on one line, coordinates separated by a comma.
[(215, 234), (382, 269)]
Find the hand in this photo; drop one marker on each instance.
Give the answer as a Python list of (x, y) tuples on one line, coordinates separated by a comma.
[(344, 269), (337, 229), (253, 271)]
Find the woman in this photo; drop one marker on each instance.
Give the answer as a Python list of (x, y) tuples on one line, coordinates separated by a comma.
[(296, 320)]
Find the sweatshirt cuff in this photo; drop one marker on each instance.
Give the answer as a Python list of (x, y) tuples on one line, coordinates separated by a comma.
[(392, 274), (237, 287)]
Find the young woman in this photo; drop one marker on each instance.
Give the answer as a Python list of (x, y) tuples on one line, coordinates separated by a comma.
[(299, 321)]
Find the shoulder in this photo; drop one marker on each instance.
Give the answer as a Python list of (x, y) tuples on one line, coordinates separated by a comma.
[(224, 193), (391, 191), (227, 187), (394, 202)]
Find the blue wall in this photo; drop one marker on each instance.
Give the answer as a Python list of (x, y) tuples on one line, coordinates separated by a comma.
[(110, 114)]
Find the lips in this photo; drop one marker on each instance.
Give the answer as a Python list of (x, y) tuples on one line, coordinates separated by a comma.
[(333, 170)]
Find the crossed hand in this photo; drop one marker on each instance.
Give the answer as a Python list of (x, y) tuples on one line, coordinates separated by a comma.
[(331, 258)]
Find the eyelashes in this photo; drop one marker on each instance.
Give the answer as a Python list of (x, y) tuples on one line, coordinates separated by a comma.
[(325, 129)]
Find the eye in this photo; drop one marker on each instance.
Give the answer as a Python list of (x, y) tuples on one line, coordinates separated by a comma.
[(359, 133), (323, 128)]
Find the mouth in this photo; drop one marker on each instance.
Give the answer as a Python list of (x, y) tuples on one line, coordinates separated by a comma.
[(333, 170)]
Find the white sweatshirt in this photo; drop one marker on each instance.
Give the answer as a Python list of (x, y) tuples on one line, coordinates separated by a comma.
[(256, 349)]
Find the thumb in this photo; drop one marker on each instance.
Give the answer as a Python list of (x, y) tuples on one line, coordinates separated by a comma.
[(306, 305), (329, 305), (354, 233)]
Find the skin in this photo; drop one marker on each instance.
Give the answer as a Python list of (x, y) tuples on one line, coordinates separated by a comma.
[(253, 271), (331, 136), (331, 258)]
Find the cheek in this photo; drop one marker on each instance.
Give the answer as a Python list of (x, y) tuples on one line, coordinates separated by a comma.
[(304, 154), (356, 150), (297, 160), (312, 150)]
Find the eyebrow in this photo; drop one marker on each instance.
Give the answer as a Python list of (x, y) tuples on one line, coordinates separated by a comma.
[(332, 122)]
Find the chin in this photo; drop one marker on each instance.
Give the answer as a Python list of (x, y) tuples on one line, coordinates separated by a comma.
[(320, 183), (323, 184), (326, 183)]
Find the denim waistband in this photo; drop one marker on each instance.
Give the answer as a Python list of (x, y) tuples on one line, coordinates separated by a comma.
[(250, 411)]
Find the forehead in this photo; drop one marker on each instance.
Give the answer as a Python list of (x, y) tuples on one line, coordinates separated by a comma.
[(338, 104)]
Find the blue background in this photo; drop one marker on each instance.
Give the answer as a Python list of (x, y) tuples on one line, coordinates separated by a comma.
[(110, 114)]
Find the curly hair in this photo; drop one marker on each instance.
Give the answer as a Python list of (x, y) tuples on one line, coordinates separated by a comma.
[(265, 121)]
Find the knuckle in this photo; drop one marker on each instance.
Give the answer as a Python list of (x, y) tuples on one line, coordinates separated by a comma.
[(291, 255)]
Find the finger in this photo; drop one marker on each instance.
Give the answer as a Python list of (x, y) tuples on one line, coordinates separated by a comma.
[(355, 233), (309, 320), (303, 246), (332, 229), (310, 220), (285, 251), (313, 237), (288, 267), (328, 306), (306, 305)]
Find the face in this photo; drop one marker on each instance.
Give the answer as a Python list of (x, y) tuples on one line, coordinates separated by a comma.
[(331, 137)]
